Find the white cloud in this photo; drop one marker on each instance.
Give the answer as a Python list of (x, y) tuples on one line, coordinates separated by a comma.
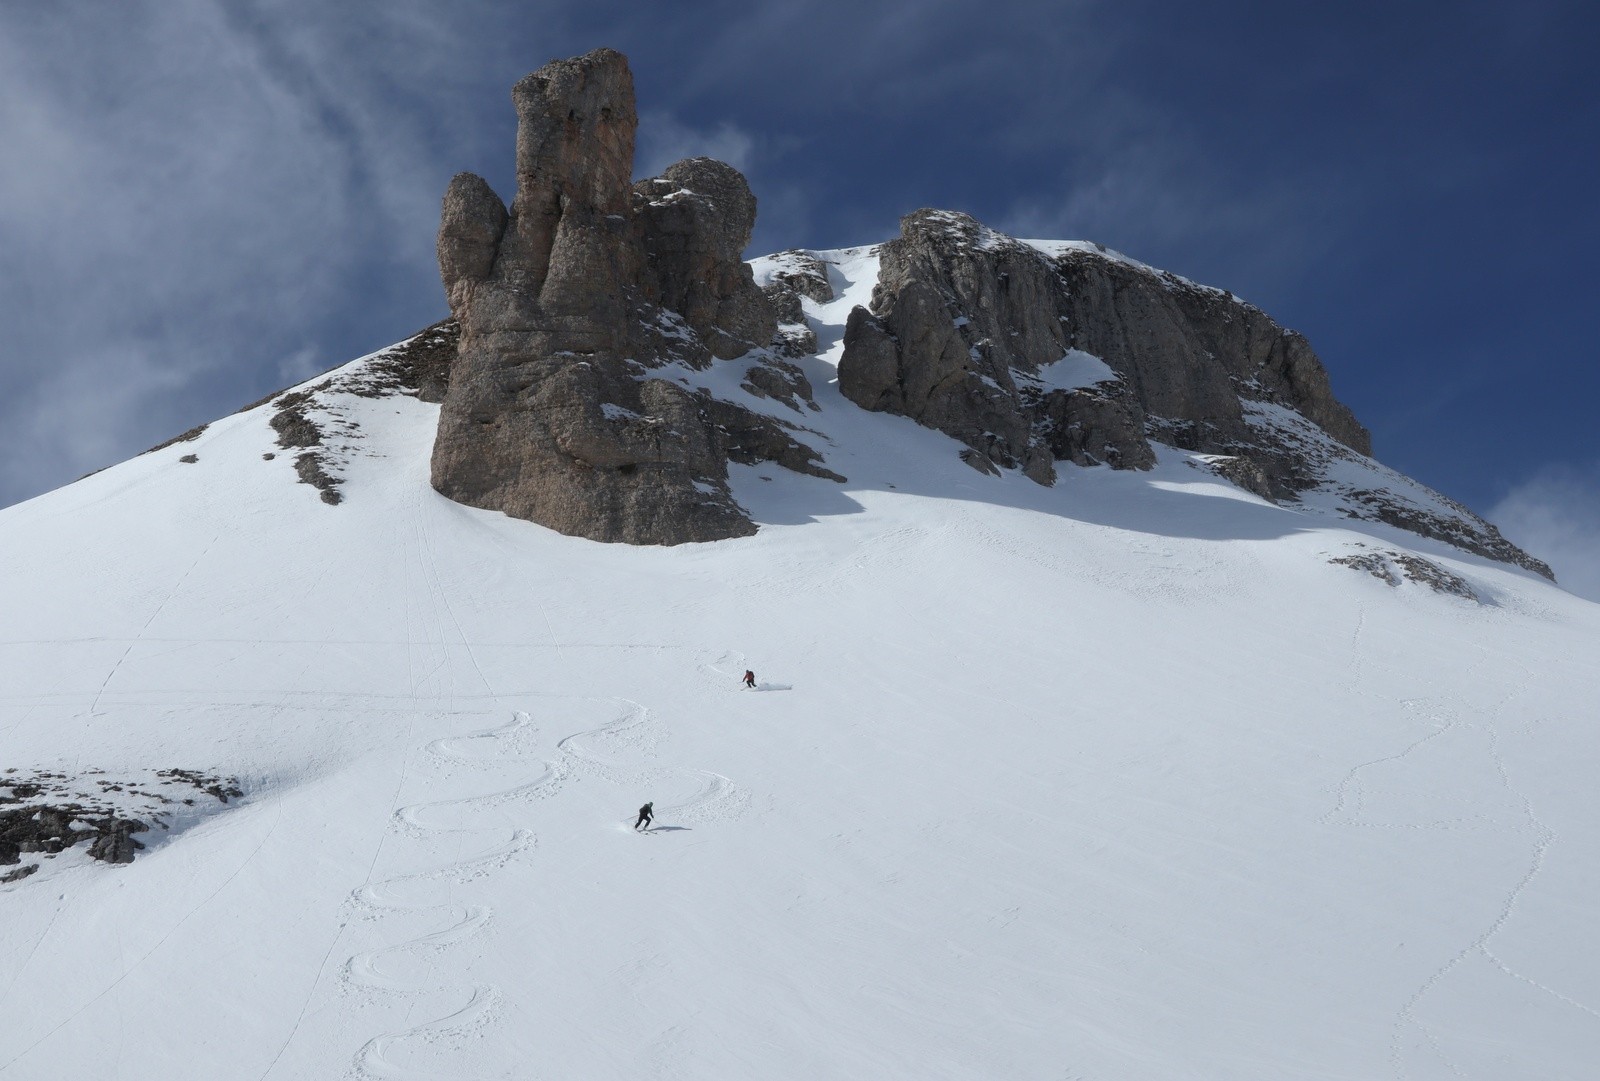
[(194, 190), (1555, 515), (85, 415), (664, 139), (301, 365)]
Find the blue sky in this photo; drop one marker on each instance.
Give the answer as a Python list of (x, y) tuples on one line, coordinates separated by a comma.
[(202, 201)]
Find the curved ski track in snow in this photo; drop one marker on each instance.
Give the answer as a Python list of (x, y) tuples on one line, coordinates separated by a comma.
[(717, 796), (1445, 714), (366, 970), (615, 751)]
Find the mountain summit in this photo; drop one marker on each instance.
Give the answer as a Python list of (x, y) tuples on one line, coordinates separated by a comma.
[(579, 304)]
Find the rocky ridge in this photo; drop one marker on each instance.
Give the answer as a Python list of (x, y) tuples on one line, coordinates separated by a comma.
[(570, 303), (579, 310), (1033, 353), (966, 324)]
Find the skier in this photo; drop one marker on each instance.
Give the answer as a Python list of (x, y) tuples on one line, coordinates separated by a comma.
[(749, 679), (646, 815)]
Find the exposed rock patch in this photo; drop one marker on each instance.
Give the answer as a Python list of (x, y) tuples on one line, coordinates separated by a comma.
[(782, 382), (995, 342), (802, 273), (795, 274), (964, 319), (1240, 472), (1461, 528), (569, 303), (418, 367), (290, 420), (311, 468), (1392, 568), (187, 437), (312, 421), (45, 813), (296, 428), (1303, 451)]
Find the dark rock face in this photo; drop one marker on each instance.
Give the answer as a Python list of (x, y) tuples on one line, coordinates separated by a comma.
[(963, 316), (963, 321), (1191, 353), (1093, 425), (696, 220), (470, 228), (43, 814), (570, 302), (1392, 568), (968, 331)]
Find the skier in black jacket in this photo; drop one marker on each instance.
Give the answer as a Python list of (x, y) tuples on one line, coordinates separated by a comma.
[(646, 815)]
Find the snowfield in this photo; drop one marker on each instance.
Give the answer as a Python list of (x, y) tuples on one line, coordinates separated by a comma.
[(1114, 781)]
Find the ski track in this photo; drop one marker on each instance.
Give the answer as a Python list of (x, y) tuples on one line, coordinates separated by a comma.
[(1347, 811), (635, 730), (177, 587), (365, 971), (616, 751)]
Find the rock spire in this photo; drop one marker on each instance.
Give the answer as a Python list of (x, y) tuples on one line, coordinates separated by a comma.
[(572, 301)]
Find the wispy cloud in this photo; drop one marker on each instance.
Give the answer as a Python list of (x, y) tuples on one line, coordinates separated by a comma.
[(1555, 514), (664, 139), (194, 190)]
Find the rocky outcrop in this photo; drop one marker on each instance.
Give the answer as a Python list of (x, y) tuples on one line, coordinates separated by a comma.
[(1035, 353), (1392, 568), (45, 813), (470, 227), (591, 315), (967, 324), (569, 306), (51, 830), (695, 221), (796, 274), (963, 324), (1191, 353)]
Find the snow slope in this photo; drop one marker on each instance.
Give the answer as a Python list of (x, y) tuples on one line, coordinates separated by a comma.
[(1117, 780)]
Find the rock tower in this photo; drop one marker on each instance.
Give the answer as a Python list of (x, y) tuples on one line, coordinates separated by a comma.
[(572, 302)]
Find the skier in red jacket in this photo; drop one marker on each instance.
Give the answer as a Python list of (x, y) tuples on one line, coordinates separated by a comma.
[(750, 679)]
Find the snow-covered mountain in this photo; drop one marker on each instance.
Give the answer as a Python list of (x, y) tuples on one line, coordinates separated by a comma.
[(1139, 775)]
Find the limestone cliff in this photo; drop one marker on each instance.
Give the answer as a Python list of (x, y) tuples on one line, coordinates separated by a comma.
[(966, 324), (571, 302), (1033, 353)]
